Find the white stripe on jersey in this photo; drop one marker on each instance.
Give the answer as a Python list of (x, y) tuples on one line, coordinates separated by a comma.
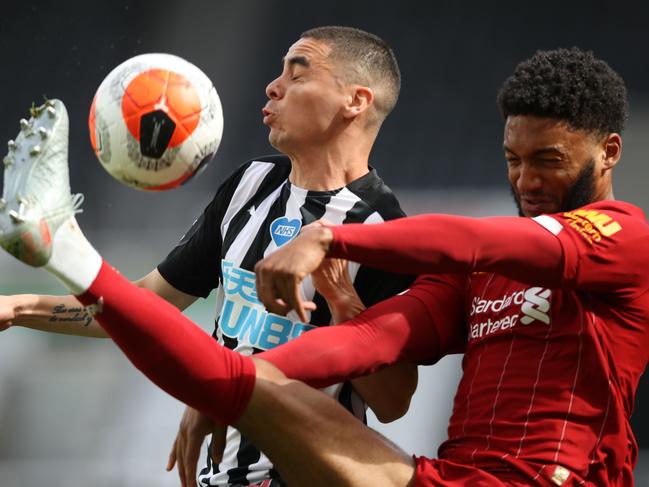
[(341, 207), (246, 236), (374, 218), (248, 186)]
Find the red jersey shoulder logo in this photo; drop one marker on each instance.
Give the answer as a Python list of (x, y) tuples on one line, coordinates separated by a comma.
[(592, 225)]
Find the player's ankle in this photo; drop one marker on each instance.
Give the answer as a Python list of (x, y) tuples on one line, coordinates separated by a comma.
[(74, 261)]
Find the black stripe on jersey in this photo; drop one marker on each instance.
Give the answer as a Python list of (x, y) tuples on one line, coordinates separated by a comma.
[(229, 342), (271, 182), (210, 468), (321, 316), (377, 195), (358, 213), (315, 205), (263, 237), (247, 455), (373, 282), (345, 398)]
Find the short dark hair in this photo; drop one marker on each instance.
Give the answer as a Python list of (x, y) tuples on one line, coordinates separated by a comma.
[(570, 85), (368, 60)]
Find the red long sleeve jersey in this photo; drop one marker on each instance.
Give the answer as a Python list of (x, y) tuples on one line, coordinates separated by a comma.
[(551, 365), (552, 314), (549, 380)]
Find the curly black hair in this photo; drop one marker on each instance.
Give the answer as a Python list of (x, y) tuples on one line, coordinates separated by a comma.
[(570, 85)]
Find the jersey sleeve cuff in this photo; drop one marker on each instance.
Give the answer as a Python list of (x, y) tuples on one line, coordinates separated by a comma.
[(184, 287), (337, 246)]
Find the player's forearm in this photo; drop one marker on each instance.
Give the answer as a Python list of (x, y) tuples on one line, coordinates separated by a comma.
[(345, 306), (56, 314), (516, 247), (388, 392), (395, 330)]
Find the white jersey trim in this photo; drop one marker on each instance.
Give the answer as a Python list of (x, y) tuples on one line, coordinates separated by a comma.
[(552, 225)]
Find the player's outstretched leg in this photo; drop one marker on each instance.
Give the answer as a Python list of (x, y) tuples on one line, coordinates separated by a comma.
[(37, 226)]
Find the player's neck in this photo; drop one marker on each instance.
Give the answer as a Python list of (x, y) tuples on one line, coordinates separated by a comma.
[(327, 170), (604, 190)]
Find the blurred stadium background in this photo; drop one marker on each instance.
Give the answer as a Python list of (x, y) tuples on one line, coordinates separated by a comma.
[(73, 412)]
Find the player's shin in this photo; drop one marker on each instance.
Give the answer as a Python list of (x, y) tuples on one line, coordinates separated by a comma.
[(156, 337)]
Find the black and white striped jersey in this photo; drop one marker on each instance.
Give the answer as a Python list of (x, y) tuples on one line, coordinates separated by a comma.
[(255, 211)]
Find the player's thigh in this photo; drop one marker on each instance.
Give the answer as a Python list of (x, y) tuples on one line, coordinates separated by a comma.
[(313, 440)]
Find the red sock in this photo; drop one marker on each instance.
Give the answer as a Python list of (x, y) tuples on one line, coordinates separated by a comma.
[(170, 349)]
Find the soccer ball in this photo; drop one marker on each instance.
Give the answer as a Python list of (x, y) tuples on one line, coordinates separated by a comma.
[(155, 122)]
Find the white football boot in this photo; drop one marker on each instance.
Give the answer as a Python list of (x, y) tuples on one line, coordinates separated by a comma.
[(36, 199)]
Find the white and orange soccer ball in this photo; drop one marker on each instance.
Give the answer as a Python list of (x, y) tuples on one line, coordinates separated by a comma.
[(155, 121)]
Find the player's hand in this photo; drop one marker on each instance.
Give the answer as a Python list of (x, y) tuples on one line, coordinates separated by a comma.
[(186, 450), (280, 274), (331, 279), (7, 312)]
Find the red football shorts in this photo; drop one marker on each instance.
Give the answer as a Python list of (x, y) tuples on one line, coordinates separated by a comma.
[(443, 473)]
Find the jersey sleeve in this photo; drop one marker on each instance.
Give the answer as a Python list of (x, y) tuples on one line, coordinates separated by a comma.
[(604, 248), (599, 247), (443, 244), (193, 266), (443, 295)]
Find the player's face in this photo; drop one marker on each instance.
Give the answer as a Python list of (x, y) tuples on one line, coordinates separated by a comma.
[(553, 167), (304, 106)]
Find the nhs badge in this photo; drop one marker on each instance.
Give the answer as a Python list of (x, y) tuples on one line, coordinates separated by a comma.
[(282, 230)]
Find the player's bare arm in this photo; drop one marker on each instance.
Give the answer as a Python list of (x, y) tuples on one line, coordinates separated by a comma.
[(56, 314), (66, 315)]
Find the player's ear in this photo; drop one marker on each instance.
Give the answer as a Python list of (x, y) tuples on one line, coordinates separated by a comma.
[(612, 146), (359, 100)]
